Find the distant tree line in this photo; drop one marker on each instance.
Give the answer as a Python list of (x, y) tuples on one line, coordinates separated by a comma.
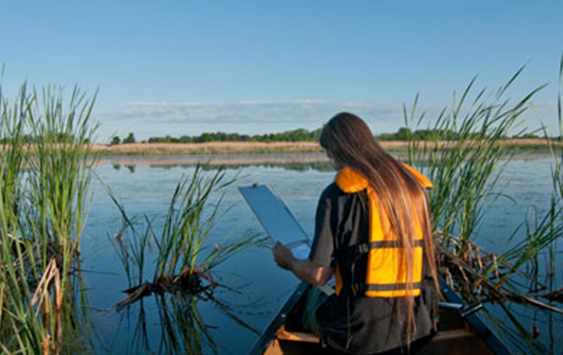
[(302, 135), (405, 133), (33, 138), (129, 139), (296, 135)]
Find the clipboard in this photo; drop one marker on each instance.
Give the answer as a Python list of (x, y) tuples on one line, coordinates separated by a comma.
[(274, 215)]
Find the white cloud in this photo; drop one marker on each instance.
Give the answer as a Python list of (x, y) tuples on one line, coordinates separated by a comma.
[(148, 119), (299, 111)]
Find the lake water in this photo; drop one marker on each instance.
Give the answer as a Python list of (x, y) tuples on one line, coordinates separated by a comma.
[(234, 320)]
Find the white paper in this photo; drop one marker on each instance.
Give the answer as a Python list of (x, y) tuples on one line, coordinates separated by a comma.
[(301, 250)]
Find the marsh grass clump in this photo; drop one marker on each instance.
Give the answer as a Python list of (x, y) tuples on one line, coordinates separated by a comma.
[(184, 254), (43, 208), (552, 221), (465, 173)]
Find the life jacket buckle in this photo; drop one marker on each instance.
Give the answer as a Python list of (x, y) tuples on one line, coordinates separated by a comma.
[(356, 289), (363, 248)]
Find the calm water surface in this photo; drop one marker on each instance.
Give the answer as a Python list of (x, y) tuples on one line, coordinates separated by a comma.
[(234, 319)]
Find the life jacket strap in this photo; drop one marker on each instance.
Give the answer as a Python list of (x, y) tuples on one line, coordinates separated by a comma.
[(364, 248), (358, 289)]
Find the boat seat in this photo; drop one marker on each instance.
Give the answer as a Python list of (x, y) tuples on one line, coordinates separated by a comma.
[(283, 334)]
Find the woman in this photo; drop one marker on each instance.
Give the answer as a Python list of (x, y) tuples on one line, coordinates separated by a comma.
[(373, 234)]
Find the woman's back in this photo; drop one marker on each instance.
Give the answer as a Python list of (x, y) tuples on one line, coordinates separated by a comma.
[(361, 324)]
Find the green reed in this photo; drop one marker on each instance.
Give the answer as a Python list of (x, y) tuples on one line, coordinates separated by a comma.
[(184, 233), (183, 245), (514, 332), (19, 329), (59, 175), (464, 159), (12, 144), (185, 255), (545, 228), (43, 208), (555, 214)]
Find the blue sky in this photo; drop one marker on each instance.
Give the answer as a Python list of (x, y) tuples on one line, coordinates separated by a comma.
[(185, 67)]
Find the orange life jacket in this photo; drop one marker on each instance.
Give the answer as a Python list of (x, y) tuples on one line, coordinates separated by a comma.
[(385, 277)]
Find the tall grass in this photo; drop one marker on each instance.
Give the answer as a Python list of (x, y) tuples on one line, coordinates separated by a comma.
[(43, 208), (12, 144), (555, 214), (465, 171), (544, 228), (59, 176), (185, 255), (20, 329)]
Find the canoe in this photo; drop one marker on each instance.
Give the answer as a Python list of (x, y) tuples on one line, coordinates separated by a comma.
[(460, 331)]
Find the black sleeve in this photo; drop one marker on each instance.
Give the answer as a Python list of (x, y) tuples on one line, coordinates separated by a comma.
[(322, 251)]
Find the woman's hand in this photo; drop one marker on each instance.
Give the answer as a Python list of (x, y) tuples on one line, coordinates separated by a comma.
[(305, 270), (283, 256)]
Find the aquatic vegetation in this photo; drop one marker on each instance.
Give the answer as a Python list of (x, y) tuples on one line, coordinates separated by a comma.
[(185, 257), (515, 332), (554, 216), (43, 204), (465, 174)]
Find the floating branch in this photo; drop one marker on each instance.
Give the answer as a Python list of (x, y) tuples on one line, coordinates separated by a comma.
[(482, 275)]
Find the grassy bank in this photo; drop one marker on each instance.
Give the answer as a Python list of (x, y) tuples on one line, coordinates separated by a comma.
[(207, 148), (279, 147)]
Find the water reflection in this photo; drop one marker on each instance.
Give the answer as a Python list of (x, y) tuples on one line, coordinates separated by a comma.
[(183, 328), (286, 161), (522, 329), (70, 328), (80, 335)]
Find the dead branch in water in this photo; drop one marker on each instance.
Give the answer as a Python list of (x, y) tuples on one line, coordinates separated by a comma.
[(189, 281), (479, 274)]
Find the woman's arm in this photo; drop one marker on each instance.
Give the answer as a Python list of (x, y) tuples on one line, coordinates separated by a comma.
[(305, 270)]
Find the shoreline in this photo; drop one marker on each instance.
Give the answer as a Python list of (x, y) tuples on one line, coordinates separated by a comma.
[(216, 148), (231, 160), (227, 160), (210, 148)]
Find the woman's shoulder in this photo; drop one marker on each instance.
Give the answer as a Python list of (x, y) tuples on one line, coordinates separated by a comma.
[(334, 197), (331, 190), (329, 195)]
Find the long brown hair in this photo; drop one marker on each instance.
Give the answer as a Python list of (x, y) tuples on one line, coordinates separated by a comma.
[(349, 141)]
